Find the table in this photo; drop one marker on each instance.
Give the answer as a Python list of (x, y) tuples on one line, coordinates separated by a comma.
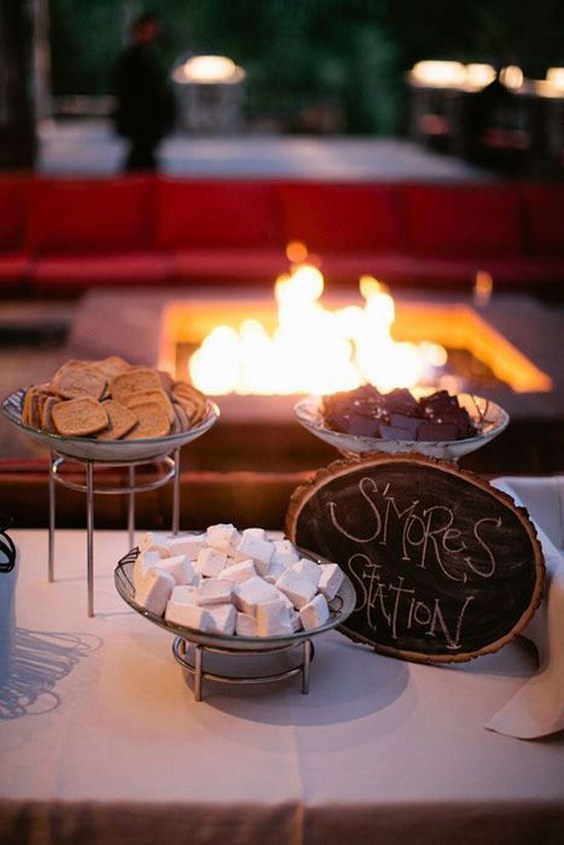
[(107, 744)]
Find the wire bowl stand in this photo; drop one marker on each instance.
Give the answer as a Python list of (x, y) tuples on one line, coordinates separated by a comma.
[(191, 657), (170, 471)]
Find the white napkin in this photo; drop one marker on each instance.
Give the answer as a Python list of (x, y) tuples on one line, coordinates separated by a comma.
[(537, 709)]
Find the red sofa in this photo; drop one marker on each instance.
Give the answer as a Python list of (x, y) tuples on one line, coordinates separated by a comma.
[(70, 234)]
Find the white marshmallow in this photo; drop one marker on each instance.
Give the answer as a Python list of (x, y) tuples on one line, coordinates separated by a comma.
[(179, 567), (330, 580), (143, 563), (154, 590), (259, 549), (190, 616), (239, 572), (299, 588), (186, 544), (223, 618), (285, 553), (210, 562), (246, 625), (214, 591), (184, 594), (252, 592), (274, 572), (223, 537), (259, 533), (273, 619), (315, 613), (309, 568), (148, 541)]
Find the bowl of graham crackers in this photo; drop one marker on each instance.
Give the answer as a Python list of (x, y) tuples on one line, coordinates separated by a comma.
[(111, 411)]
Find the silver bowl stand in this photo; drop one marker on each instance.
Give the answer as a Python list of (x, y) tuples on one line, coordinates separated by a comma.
[(190, 655), (171, 465)]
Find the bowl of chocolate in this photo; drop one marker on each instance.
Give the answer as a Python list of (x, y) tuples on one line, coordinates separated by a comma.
[(435, 424)]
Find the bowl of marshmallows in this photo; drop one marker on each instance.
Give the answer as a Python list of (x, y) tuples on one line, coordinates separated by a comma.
[(235, 590)]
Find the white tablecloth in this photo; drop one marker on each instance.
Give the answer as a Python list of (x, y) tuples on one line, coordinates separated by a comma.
[(101, 739)]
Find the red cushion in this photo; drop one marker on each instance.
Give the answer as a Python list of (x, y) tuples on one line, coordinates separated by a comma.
[(208, 213), (228, 265), (466, 219), (343, 217), (13, 207), (94, 215), (544, 210), (100, 270), (14, 267)]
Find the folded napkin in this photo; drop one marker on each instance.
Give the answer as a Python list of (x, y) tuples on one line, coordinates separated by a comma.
[(537, 709)]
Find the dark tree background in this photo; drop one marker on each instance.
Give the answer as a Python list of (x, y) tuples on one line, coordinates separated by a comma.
[(312, 63)]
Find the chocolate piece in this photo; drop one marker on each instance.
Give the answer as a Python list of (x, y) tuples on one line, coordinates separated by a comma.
[(338, 421), (402, 401), (434, 431), (439, 401), (363, 426), (398, 415), (390, 432), (409, 423)]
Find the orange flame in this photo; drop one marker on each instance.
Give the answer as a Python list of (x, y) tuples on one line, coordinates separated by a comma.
[(312, 349)]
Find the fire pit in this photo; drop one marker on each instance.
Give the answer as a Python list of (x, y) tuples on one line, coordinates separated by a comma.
[(506, 349)]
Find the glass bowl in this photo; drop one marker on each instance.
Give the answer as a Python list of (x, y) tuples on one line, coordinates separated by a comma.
[(107, 451), (490, 420)]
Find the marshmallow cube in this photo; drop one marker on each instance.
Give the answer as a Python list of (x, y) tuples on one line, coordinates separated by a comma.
[(274, 571), (154, 591), (189, 616), (259, 533), (223, 537), (315, 613), (186, 544), (143, 563), (214, 591), (184, 594), (252, 592), (330, 580), (298, 587), (273, 619), (210, 562), (223, 618), (285, 553), (148, 541), (309, 568), (239, 572), (259, 549), (179, 567), (246, 625)]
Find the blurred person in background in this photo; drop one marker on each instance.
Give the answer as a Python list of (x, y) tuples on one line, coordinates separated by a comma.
[(144, 111)]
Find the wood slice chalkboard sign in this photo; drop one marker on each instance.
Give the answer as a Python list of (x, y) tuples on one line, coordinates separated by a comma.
[(445, 566)]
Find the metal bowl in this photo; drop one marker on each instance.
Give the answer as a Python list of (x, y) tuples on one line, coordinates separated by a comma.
[(340, 609)]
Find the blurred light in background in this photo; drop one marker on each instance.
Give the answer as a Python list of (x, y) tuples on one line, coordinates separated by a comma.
[(208, 70)]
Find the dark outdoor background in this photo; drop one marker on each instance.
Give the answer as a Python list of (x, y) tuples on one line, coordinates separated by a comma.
[(311, 63)]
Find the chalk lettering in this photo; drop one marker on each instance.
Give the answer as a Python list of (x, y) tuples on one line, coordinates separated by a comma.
[(489, 571), (361, 590), (405, 514), (453, 642), (399, 591), (365, 485), (430, 538)]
